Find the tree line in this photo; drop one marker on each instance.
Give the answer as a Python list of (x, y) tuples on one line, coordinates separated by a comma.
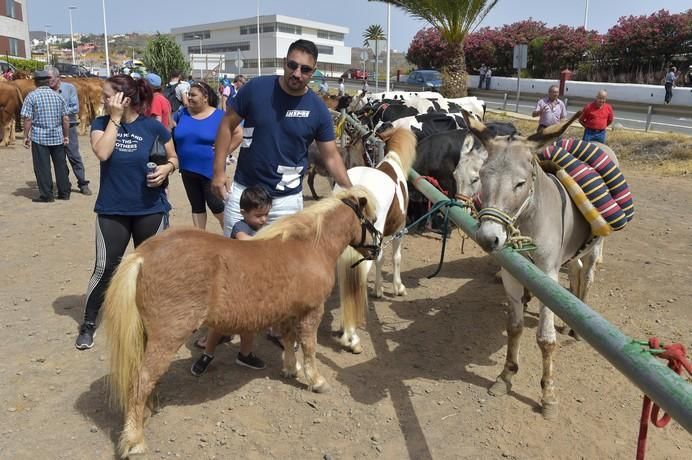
[(637, 49)]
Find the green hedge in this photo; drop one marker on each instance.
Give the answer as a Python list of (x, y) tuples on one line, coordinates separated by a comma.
[(28, 65)]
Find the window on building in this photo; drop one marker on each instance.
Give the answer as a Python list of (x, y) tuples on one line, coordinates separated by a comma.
[(220, 48), (14, 47), (323, 49), (330, 35), (189, 36), (289, 28), (9, 9)]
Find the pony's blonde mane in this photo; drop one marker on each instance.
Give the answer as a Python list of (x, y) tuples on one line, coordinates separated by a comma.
[(403, 142), (307, 224)]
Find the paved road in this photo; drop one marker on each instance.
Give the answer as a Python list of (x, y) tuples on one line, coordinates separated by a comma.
[(629, 118)]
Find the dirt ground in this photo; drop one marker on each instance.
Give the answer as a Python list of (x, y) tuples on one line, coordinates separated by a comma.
[(417, 391)]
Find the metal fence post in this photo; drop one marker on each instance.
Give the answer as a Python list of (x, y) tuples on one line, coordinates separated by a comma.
[(649, 114)]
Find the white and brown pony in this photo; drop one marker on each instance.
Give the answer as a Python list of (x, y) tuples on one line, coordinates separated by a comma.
[(517, 194), (387, 183), (282, 276)]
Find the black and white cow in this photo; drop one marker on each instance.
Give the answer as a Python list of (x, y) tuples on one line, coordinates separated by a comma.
[(427, 124), (376, 113)]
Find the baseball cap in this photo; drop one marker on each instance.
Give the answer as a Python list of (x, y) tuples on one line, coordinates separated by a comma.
[(153, 79), (41, 74)]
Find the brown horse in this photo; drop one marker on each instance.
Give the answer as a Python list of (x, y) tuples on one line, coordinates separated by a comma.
[(283, 276)]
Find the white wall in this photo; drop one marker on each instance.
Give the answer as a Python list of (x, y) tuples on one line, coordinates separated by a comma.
[(17, 29), (624, 92)]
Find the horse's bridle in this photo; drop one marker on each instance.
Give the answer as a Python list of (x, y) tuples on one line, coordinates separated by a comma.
[(366, 226), (514, 236)]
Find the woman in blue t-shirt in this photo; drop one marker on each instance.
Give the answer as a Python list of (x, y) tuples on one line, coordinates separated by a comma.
[(131, 203), (194, 136)]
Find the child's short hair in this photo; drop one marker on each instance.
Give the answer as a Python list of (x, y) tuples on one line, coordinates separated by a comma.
[(255, 197)]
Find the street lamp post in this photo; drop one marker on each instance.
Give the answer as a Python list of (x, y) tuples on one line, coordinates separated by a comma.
[(259, 59), (47, 46), (105, 39), (70, 8), (201, 71), (389, 38)]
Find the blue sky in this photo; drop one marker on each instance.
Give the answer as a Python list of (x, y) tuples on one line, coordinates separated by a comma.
[(148, 16)]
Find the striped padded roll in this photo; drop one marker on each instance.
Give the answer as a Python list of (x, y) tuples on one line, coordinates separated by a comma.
[(599, 179)]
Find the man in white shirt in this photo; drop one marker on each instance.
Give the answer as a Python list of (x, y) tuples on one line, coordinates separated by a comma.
[(551, 110)]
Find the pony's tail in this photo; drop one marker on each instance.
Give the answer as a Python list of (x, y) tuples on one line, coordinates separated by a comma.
[(352, 288), (125, 330)]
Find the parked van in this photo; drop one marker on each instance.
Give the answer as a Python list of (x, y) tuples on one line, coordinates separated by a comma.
[(72, 70)]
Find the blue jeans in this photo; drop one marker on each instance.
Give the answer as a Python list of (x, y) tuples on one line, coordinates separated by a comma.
[(75, 159), (669, 93), (597, 135)]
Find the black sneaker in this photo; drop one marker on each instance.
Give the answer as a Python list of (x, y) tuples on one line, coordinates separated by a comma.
[(85, 339), (251, 361), (200, 366)]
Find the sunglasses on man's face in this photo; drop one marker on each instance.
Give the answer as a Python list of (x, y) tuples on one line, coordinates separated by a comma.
[(304, 69)]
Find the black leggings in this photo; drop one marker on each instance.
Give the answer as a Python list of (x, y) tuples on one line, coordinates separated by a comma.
[(198, 189), (113, 234)]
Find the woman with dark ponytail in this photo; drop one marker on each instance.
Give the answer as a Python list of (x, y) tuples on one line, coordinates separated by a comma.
[(131, 203)]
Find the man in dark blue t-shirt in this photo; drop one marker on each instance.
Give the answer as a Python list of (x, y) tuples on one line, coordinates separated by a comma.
[(282, 118)]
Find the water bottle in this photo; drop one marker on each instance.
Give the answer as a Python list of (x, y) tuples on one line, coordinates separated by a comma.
[(151, 168)]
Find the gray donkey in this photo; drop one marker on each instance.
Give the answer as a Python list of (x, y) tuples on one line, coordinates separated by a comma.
[(518, 195)]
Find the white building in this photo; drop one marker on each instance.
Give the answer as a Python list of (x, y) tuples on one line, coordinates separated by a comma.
[(238, 39), (14, 29)]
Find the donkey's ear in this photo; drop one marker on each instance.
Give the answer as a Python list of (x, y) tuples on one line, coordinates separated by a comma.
[(478, 128), (549, 134)]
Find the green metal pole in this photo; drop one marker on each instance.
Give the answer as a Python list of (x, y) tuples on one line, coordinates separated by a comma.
[(669, 390)]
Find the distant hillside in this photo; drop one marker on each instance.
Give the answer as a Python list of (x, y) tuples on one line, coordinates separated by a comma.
[(398, 60)]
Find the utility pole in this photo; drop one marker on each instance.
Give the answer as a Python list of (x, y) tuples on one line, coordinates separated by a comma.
[(47, 46), (259, 58), (389, 38), (105, 39), (70, 8), (201, 71)]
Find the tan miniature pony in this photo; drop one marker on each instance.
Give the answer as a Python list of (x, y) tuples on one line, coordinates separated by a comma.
[(282, 276)]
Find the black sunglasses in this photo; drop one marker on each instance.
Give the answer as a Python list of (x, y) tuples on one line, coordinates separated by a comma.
[(201, 85), (305, 69)]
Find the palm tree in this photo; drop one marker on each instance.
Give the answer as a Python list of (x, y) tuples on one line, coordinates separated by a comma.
[(373, 32), (454, 19)]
